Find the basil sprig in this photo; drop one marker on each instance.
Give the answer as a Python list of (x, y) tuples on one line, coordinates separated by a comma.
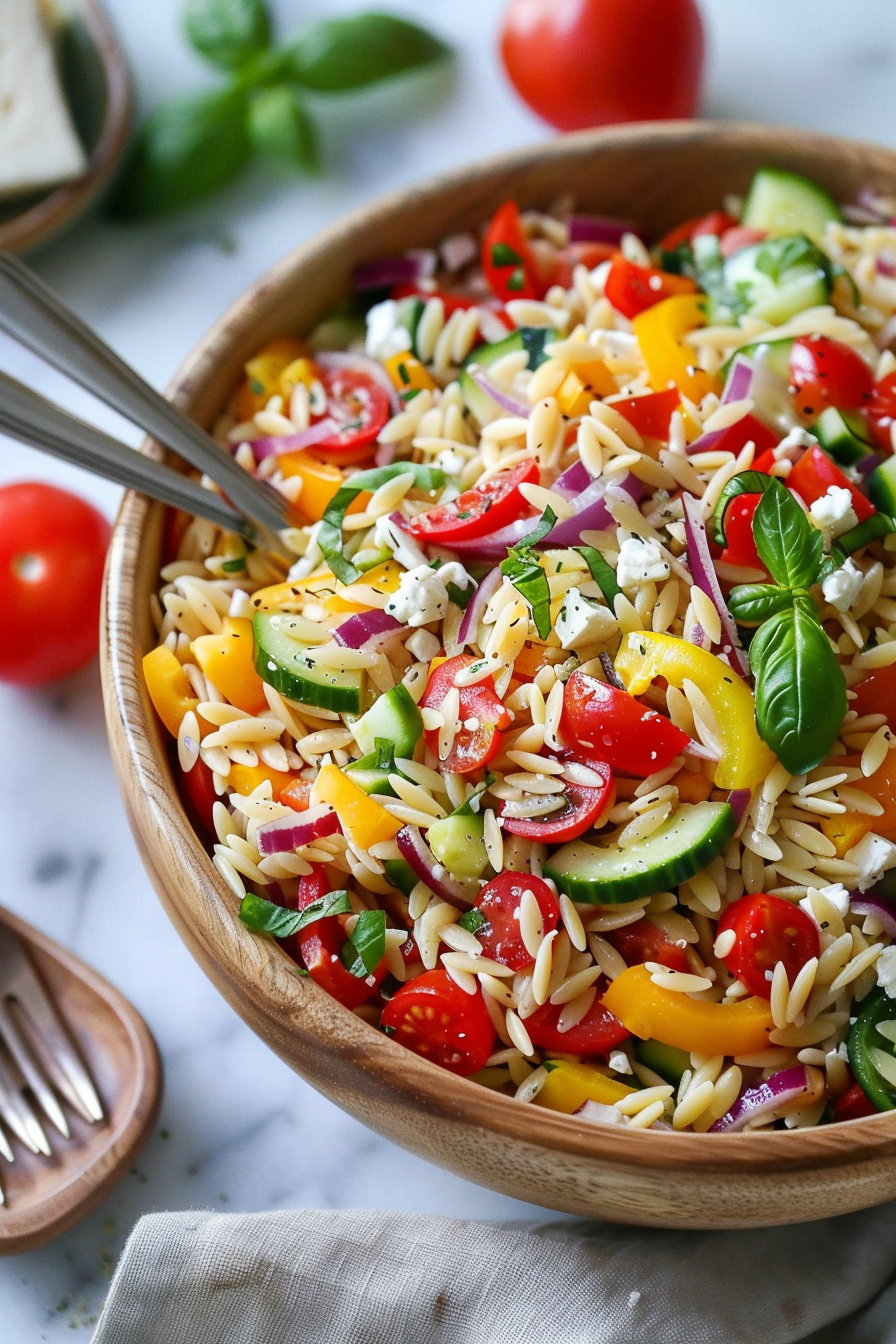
[(365, 949), (191, 146), (800, 687), (329, 536), (265, 917), (523, 568), (601, 572)]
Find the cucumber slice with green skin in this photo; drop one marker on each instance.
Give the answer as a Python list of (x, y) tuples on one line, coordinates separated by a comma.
[(783, 202), (841, 435), (458, 842), (531, 339), (880, 486), (607, 875), (370, 776), (290, 667), (773, 289), (666, 1060), (409, 313), (870, 1048), (775, 355), (396, 718), (401, 875)]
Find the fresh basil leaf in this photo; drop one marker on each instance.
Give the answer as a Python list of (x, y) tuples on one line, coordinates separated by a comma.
[(338, 55), (542, 529), (234, 566), (281, 125), (601, 572), (504, 255), (329, 536), (187, 148), (265, 917), (800, 687), (459, 596), (787, 543), (744, 483), (227, 32), (362, 953), (531, 582), (472, 920), (752, 603)]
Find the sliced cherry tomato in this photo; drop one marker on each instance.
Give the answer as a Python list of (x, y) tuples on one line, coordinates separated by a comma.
[(876, 694), (853, 1105), (736, 436), (197, 788), (578, 254), (699, 226), (767, 929), (643, 941), (740, 545), (320, 944), (584, 807), (598, 1033), (480, 706), (813, 475), (825, 372), (437, 1019), (478, 512), (360, 407), (296, 795), (880, 412), (52, 553), (499, 903), (507, 260), (616, 728), (632, 289), (650, 414)]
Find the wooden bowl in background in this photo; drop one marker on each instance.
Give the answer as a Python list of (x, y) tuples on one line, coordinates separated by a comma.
[(659, 174)]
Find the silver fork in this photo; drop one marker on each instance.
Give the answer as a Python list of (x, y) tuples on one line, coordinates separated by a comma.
[(36, 1055)]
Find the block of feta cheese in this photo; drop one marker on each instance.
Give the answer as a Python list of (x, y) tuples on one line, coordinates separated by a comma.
[(38, 143)]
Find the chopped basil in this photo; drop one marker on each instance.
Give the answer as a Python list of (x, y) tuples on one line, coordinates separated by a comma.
[(265, 917), (516, 280), (472, 920), (504, 255), (234, 566), (744, 483), (362, 953), (460, 596), (601, 572), (523, 568), (329, 536)]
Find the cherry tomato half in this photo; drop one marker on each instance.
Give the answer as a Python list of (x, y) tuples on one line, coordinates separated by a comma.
[(360, 406), (767, 929), (598, 1033), (618, 729), (478, 512), (880, 412), (481, 716), (197, 789), (585, 804), (507, 259), (581, 63), (740, 544), (633, 289), (320, 944), (578, 254), (877, 694), (853, 1105), (437, 1019), (824, 372), (813, 475), (52, 552), (499, 903), (643, 941)]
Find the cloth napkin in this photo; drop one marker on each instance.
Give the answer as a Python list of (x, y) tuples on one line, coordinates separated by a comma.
[(315, 1276)]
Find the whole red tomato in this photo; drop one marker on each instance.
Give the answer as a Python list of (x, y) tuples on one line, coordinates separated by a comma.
[(580, 63), (52, 552)]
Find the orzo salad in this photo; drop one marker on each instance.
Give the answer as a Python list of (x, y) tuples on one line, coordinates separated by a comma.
[(563, 751)]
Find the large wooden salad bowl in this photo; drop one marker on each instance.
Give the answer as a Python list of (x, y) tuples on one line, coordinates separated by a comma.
[(658, 175)]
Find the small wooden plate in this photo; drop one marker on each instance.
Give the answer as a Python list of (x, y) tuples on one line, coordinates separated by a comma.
[(97, 85), (47, 1195)]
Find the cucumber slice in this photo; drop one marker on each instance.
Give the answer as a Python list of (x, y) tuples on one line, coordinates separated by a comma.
[(289, 666), (531, 339), (777, 279), (689, 840), (666, 1060), (458, 842), (409, 313), (783, 202), (370, 776), (396, 718), (775, 355), (881, 486), (842, 436)]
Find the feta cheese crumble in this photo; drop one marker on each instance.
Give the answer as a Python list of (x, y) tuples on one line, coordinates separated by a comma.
[(842, 588), (640, 562), (886, 971), (385, 334), (402, 545), (422, 596), (833, 512), (581, 621), (873, 855)]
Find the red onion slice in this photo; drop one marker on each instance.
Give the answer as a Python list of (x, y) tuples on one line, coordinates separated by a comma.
[(459, 892), (739, 801), (409, 268), (367, 626), (476, 606), (573, 481), (756, 1102), (739, 380), (597, 1113), (284, 834), (704, 576), (506, 400), (602, 229), (592, 514), (277, 445)]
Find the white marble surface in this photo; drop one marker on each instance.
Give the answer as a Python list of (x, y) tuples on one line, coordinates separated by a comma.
[(238, 1130)]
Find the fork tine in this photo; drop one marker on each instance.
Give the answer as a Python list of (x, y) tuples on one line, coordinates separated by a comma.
[(18, 1115), (6, 1151), (18, 1047)]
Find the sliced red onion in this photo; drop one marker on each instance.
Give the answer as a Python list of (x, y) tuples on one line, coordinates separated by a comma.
[(592, 514), (886, 263), (460, 892), (496, 545), (384, 455), (739, 801), (367, 626), (879, 901), (343, 359), (866, 464), (277, 445), (704, 575), (284, 834), (763, 1101), (599, 1114), (886, 337), (705, 443), (739, 380), (573, 481), (476, 606), (698, 637), (506, 400), (873, 204), (602, 229), (409, 268)]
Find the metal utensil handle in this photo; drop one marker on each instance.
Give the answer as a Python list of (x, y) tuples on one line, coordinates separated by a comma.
[(40, 320)]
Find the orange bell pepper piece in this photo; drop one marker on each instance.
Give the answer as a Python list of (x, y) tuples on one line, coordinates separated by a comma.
[(169, 689), (570, 1084), (660, 331), (364, 821), (739, 1028), (408, 374), (245, 779), (263, 372), (227, 659)]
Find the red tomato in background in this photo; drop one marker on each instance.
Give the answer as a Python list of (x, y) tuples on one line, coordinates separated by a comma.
[(633, 289), (880, 412), (474, 746), (814, 474), (507, 259), (360, 407), (580, 63), (437, 1019), (768, 929), (52, 552), (476, 513), (499, 904), (824, 372)]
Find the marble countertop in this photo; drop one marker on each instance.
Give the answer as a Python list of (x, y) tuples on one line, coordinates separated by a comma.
[(239, 1131)]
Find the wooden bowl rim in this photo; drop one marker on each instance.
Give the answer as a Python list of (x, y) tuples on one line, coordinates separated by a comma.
[(416, 1081)]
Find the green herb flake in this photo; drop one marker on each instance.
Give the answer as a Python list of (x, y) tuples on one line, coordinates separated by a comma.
[(472, 920), (516, 280), (235, 566), (264, 916), (365, 949), (504, 255)]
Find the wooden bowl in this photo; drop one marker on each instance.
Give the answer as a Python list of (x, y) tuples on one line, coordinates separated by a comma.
[(660, 175)]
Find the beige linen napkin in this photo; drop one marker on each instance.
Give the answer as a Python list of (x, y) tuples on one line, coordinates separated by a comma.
[(361, 1277)]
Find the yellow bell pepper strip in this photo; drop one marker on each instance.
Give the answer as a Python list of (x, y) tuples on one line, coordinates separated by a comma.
[(660, 331), (169, 689), (570, 1084), (364, 821), (320, 482), (384, 579), (740, 1028), (644, 656), (301, 370), (227, 659), (408, 374), (846, 830), (583, 384), (263, 374), (245, 779)]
